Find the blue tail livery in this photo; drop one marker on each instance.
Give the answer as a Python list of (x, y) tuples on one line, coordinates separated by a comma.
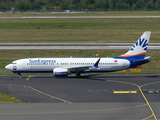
[(136, 54)]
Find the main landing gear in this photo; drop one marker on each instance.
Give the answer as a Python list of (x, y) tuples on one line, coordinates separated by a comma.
[(78, 74), (20, 76)]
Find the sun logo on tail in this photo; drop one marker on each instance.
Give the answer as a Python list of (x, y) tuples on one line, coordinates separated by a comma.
[(140, 43)]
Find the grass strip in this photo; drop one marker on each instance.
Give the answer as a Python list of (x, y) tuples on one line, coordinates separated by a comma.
[(84, 13), (7, 99), (111, 30)]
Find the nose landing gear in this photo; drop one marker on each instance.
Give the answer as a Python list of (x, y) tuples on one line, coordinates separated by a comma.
[(20, 76)]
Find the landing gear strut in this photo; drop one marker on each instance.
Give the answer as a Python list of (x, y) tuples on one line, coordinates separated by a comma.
[(78, 74), (20, 76)]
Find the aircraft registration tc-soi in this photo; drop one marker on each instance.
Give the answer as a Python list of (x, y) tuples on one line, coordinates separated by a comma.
[(65, 66)]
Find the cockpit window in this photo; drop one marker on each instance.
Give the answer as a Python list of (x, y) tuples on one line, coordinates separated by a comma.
[(14, 63)]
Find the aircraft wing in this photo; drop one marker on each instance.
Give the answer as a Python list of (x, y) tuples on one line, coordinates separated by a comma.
[(80, 68), (83, 68)]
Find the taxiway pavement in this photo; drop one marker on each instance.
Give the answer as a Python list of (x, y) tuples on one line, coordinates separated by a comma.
[(122, 97)]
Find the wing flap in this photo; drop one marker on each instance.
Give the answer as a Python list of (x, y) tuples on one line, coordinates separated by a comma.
[(79, 68)]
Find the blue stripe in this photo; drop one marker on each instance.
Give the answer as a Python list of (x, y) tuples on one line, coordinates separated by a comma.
[(132, 59)]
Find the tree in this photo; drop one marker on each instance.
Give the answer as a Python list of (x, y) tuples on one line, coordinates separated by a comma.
[(136, 6), (149, 5), (157, 5), (23, 6), (35, 6), (90, 7), (32, 1), (3, 8), (64, 5), (72, 7), (123, 6), (79, 4), (101, 4)]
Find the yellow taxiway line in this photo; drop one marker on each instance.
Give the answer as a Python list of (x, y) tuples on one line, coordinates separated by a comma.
[(139, 87), (124, 91), (28, 77)]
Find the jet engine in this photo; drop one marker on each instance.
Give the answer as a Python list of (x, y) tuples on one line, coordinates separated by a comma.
[(60, 72)]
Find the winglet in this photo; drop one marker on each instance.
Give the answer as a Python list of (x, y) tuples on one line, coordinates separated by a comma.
[(96, 64), (96, 56)]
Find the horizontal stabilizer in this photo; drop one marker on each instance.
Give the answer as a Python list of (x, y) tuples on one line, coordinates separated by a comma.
[(143, 60)]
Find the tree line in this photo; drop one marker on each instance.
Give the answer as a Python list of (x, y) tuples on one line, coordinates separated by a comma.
[(78, 5)]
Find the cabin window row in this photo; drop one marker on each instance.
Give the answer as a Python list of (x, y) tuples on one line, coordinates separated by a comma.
[(81, 63), (93, 64), (40, 63), (71, 64)]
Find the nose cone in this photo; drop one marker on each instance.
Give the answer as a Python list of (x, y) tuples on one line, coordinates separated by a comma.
[(8, 67)]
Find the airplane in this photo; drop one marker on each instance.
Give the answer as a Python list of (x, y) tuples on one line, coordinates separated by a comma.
[(62, 67)]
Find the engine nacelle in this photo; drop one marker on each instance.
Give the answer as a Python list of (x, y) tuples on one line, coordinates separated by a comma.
[(60, 72)]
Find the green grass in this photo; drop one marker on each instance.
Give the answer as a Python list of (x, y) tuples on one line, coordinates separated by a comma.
[(77, 30), (90, 13), (7, 99), (80, 23)]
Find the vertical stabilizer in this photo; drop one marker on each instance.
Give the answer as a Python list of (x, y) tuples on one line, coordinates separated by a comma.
[(138, 50)]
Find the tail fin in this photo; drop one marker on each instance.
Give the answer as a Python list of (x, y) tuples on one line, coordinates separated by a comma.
[(138, 50)]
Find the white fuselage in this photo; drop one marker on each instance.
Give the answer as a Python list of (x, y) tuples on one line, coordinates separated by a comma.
[(49, 64)]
